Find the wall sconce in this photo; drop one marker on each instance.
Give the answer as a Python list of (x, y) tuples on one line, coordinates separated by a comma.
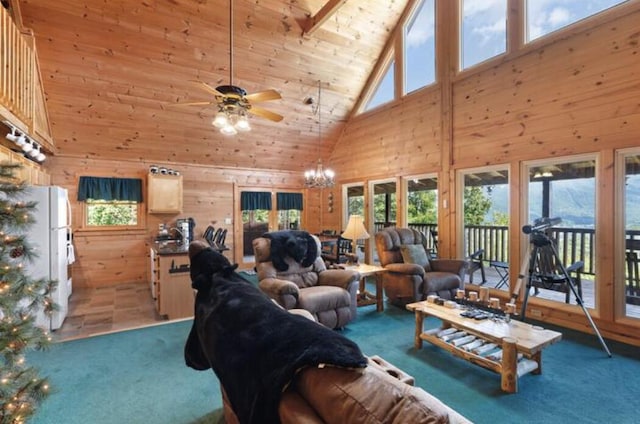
[(330, 203)]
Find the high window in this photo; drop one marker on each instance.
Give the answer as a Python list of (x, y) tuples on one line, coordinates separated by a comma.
[(384, 92), (545, 16), (419, 48), (484, 30)]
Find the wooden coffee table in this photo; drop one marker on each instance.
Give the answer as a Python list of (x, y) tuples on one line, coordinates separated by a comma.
[(365, 297), (521, 343)]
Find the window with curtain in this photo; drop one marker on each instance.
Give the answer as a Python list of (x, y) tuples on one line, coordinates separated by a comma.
[(289, 207), (111, 202)]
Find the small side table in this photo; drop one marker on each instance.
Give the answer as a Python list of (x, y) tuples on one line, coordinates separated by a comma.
[(365, 297)]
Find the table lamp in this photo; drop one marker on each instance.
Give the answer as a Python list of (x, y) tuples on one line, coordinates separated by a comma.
[(355, 231)]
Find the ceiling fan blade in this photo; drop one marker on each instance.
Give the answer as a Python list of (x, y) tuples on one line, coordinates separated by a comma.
[(209, 88), (258, 111), (262, 96), (193, 104)]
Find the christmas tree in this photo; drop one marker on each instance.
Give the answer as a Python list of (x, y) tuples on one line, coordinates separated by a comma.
[(21, 388)]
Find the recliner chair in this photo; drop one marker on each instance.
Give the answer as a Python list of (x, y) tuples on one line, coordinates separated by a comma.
[(411, 275), (328, 294)]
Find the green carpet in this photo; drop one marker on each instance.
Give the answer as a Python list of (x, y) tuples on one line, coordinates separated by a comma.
[(139, 376)]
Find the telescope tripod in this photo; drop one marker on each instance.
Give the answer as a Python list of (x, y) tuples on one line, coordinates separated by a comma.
[(538, 242)]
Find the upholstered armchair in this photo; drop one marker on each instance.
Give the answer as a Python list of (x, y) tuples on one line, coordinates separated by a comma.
[(411, 275), (328, 294)]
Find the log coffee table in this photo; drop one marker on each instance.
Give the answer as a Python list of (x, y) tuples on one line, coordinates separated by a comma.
[(518, 345)]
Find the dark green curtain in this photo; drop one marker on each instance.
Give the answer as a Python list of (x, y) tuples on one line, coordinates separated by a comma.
[(286, 201), (98, 188), (253, 200)]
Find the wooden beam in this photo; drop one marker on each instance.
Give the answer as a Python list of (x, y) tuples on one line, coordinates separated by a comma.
[(312, 23)]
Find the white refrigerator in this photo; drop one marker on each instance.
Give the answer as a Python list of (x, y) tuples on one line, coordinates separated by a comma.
[(50, 236)]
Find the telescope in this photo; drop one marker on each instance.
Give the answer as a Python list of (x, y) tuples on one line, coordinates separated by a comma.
[(541, 224)]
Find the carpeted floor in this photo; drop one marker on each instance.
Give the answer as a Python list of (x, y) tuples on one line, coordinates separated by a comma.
[(139, 376)]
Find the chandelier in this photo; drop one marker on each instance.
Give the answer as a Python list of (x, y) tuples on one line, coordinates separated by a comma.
[(319, 177)]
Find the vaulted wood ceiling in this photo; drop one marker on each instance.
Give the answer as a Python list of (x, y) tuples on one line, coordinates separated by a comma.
[(111, 70)]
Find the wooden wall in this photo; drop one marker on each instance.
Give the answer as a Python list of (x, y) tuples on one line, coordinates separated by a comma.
[(572, 93), (116, 257)]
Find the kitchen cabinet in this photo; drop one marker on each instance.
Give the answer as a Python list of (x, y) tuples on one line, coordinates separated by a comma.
[(171, 285), (164, 193)]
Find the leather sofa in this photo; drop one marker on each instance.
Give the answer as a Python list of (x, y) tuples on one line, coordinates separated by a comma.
[(411, 275), (375, 394), (328, 294)]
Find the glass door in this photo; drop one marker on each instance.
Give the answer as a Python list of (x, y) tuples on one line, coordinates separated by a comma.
[(629, 164), (421, 211), (561, 202), (485, 224)]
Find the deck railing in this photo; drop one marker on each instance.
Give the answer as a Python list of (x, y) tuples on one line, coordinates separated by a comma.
[(573, 244)]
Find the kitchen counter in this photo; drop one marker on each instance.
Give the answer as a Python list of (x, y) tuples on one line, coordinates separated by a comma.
[(172, 249), (171, 281)]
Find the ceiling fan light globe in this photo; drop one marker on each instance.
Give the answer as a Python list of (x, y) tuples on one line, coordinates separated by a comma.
[(243, 124), (221, 120), (228, 130)]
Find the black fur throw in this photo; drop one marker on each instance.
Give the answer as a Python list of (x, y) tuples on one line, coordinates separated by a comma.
[(298, 245), (254, 346)]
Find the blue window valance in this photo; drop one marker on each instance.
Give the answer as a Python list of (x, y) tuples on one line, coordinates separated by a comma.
[(99, 188), (253, 200), (286, 201)]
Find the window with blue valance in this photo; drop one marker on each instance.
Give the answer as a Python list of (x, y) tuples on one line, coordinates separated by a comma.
[(287, 201), (112, 189), (254, 200)]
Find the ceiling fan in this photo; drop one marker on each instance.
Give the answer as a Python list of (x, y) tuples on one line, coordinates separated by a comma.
[(234, 104)]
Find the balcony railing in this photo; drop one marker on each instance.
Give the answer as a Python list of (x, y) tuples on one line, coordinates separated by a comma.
[(573, 244)]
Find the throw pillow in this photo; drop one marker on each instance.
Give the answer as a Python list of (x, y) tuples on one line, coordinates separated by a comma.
[(415, 254)]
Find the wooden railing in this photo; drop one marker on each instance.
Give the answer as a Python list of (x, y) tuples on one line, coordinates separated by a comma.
[(22, 99), (17, 61)]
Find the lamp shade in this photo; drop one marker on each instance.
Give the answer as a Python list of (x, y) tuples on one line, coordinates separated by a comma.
[(355, 229)]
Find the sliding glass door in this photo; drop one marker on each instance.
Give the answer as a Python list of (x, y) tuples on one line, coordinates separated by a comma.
[(628, 179)]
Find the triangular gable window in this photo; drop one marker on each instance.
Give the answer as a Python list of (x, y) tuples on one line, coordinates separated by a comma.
[(384, 92)]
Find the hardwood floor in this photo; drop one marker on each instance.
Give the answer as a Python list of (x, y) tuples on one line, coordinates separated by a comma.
[(106, 309)]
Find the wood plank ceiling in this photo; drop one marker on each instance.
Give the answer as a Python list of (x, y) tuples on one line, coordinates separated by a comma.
[(112, 69)]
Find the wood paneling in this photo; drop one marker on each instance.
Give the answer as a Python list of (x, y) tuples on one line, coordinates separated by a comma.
[(116, 257), (112, 69)]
